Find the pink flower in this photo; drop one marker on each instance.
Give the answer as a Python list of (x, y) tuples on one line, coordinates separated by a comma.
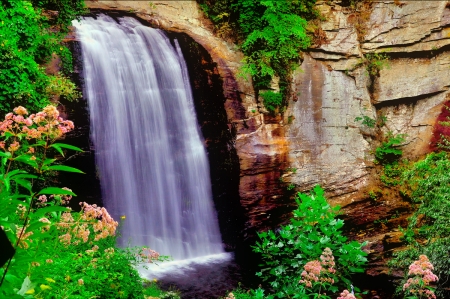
[(346, 295), (28, 121), (20, 110), (14, 146), (422, 276), (19, 119)]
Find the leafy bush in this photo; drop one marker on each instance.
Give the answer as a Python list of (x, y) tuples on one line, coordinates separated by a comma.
[(59, 253), (387, 152), (272, 100), (373, 63), (427, 185), (392, 172), (313, 228), (273, 41)]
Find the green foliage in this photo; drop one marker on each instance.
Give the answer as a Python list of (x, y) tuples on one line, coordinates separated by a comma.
[(366, 120), (170, 295), (27, 40), (313, 228), (271, 34), (275, 33), (387, 153), (374, 194), (427, 185), (392, 173), (59, 253), (375, 62), (68, 10), (272, 100), (60, 85), (240, 293), (370, 122), (152, 289)]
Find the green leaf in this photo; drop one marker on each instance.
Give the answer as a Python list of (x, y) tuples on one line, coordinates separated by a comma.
[(48, 161), (56, 191), (27, 159), (5, 154), (63, 168), (26, 285), (42, 211), (24, 183), (58, 147)]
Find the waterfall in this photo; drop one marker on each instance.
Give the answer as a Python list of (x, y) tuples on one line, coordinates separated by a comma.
[(150, 154)]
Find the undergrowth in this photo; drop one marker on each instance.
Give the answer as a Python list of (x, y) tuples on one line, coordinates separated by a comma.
[(427, 185)]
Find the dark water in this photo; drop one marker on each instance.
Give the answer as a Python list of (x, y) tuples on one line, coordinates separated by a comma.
[(203, 278)]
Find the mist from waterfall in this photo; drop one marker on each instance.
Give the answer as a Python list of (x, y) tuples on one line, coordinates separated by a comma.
[(150, 154)]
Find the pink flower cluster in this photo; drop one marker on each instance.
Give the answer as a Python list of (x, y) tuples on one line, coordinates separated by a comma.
[(312, 272), (148, 255), (346, 295), (46, 123), (103, 225), (327, 260), (317, 271), (421, 271)]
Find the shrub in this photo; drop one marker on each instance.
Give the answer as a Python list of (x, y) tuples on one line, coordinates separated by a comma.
[(388, 151), (366, 120), (272, 100), (59, 253), (274, 34), (427, 185), (312, 229)]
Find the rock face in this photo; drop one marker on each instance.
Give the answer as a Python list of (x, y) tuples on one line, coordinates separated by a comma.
[(317, 140)]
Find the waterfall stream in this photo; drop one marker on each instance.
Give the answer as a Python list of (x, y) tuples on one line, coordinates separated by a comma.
[(150, 155)]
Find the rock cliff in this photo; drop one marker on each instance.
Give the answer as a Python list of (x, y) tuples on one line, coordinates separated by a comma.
[(317, 140)]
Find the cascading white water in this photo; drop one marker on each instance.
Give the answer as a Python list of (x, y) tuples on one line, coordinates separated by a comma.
[(150, 154)]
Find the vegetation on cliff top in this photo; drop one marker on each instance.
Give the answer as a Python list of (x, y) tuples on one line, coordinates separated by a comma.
[(270, 33)]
